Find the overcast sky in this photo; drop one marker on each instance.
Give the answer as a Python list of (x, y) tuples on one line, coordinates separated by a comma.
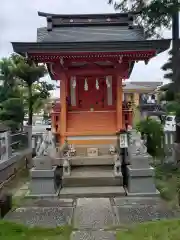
[(19, 21)]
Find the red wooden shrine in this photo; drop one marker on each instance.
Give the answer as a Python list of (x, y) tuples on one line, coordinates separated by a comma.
[(90, 55)]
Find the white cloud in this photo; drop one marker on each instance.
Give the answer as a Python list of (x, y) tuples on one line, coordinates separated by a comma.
[(19, 21)]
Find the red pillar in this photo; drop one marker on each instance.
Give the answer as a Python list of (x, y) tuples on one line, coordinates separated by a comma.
[(119, 102), (63, 112)]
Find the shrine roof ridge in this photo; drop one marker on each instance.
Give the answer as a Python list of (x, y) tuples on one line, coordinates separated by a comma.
[(86, 16), (70, 20)]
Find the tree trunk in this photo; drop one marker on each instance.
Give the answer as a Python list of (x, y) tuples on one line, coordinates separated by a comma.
[(30, 105)]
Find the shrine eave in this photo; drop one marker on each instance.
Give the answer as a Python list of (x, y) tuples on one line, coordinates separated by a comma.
[(77, 47)]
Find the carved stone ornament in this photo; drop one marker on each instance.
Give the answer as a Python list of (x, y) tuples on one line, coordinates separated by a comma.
[(72, 150), (85, 85), (66, 165), (141, 149), (112, 150), (117, 166)]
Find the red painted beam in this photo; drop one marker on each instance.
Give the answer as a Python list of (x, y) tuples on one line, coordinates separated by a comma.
[(90, 69), (92, 55)]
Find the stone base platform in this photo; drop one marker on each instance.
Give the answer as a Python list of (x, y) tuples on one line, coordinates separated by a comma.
[(42, 196), (92, 192), (92, 176), (144, 194)]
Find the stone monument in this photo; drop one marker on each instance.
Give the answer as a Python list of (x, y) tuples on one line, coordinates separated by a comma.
[(66, 164), (140, 173), (117, 165), (43, 173), (5, 148)]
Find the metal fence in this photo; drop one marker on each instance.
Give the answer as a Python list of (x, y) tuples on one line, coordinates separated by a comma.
[(19, 141)]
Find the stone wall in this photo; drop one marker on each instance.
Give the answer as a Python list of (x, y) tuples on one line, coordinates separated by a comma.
[(18, 161)]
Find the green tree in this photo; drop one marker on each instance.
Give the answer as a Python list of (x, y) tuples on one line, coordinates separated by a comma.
[(154, 133), (11, 106), (21, 90), (40, 95), (155, 14), (168, 69), (12, 113), (30, 73)]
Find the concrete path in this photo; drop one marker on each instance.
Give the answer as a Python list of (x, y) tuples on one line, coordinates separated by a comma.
[(93, 218)]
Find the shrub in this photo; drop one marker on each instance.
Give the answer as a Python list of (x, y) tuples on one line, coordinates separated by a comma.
[(153, 131)]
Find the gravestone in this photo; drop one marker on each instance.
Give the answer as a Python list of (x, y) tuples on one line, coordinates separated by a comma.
[(140, 173)]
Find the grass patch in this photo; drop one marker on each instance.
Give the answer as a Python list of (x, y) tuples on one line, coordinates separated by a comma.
[(13, 231), (167, 182), (161, 230)]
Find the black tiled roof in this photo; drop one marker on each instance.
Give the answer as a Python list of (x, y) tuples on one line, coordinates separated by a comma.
[(100, 46), (90, 34)]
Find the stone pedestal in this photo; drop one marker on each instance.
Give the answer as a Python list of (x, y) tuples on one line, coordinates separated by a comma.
[(43, 178), (141, 176), (42, 163), (43, 182)]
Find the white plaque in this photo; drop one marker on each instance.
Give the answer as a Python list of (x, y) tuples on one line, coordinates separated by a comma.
[(123, 141), (92, 152)]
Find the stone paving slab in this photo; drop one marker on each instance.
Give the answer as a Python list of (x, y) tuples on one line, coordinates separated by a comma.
[(132, 201), (93, 213), (93, 235), (39, 216), (49, 202), (137, 210)]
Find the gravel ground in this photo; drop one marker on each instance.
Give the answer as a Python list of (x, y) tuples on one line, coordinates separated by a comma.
[(41, 216), (91, 216)]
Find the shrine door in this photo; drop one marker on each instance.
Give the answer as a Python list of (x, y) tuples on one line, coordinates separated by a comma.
[(93, 96)]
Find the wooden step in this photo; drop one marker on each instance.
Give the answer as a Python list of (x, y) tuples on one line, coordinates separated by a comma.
[(92, 176), (92, 192)]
